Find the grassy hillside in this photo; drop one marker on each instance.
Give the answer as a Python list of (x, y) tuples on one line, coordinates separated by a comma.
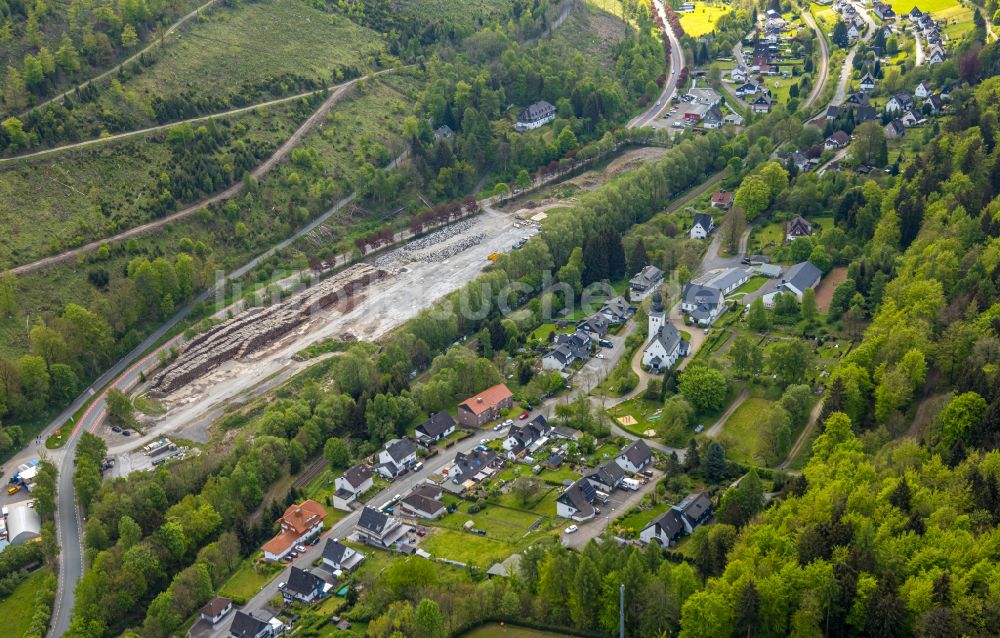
[(363, 125), (233, 57), (93, 192), (94, 32)]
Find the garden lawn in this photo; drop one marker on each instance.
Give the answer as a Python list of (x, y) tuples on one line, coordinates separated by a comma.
[(741, 434), (466, 547), (754, 284), (702, 20), (640, 519), (246, 582), (558, 476), (18, 608), (772, 234), (541, 333)]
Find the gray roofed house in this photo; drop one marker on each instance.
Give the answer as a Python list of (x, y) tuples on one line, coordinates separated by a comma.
[(864, 113), (348, 486), (423, 507), (935, 102), (356, 477), (303, 586), (665, 528), (246, 626), (398, 454), (339, 556), (576, 502), (436, 427), (568, 350), (703, 304), (635, 457), (535, 116), (379, 529), (596, 324), (695, 509), (702, 225), (644, 282), (796, 228), (617, 310), (713, 118), (474, 466), (507, 568), (520, 437), (899, 102), (895, 129), (796, 281), (801, 277), (607, 476)]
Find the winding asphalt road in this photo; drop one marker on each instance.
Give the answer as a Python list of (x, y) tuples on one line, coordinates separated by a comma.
[(126, 373), (123, 375), (670, 86)]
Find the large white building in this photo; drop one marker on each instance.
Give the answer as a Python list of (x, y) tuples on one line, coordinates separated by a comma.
[(665, 345)]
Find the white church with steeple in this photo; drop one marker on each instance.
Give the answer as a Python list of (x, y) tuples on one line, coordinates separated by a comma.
[(665, 345)]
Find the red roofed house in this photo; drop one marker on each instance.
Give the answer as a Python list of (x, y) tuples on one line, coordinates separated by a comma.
[(484, 407), (300, 521), (722, 199)]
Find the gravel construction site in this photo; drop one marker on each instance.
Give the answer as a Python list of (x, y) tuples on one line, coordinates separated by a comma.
[(417, 274)]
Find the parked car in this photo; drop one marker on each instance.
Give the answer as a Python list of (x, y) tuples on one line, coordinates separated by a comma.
[(698, 429), (126, 433), (300, 549), (421, 533), (647, 474), (524, 415), (499, 426), (571, 529), (115, 428), (419, 466)]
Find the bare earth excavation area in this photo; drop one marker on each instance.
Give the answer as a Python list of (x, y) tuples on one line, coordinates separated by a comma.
[(234, 358)]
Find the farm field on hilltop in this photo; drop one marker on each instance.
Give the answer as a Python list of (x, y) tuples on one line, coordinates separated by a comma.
[(702, 20), (903, 6)]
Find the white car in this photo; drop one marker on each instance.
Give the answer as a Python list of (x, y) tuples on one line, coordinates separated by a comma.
[(571, 529), (300, 549)]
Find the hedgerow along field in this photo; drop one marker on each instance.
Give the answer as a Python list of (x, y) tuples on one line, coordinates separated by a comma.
[(236, 57)]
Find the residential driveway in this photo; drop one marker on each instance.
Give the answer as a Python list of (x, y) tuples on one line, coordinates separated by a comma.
[(619, 503)]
